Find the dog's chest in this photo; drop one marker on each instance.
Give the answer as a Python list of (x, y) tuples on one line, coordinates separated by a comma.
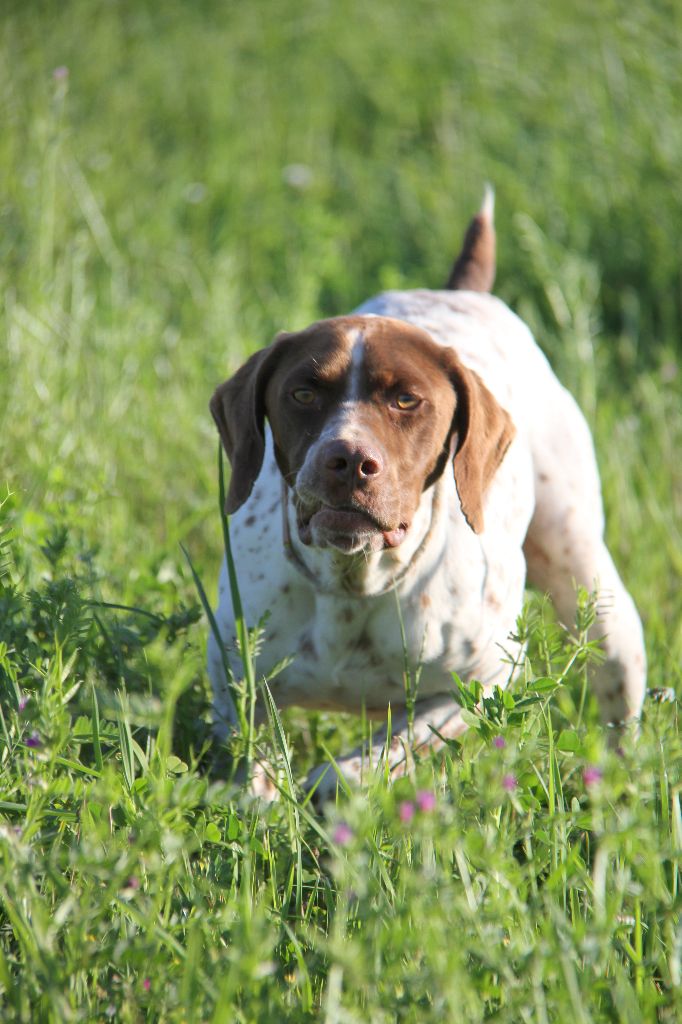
[(354, 652), (348, 651)]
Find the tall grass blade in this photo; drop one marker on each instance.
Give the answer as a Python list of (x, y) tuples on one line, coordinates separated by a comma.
[(231, 692), (241, 627), (283, 749)]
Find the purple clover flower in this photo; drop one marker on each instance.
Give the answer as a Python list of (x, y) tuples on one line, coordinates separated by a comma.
[(406, 811), (34, 740), (342, 834), (592, 775), (499, 742), (426, 800), (146, 984), (509, 783)]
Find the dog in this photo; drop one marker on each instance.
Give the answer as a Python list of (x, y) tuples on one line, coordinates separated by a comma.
[(422, 463)]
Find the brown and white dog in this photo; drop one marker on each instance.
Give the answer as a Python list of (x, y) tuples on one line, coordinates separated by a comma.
[(421, 454)]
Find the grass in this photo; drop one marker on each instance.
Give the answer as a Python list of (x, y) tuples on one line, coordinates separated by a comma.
[(179, 182)]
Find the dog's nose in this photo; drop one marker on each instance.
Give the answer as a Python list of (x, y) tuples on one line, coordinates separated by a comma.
[(348, 463)]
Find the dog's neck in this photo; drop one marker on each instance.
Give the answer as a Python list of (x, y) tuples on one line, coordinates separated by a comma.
[(370, 574)]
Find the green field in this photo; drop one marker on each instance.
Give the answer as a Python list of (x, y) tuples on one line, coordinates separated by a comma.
[(179, 181)]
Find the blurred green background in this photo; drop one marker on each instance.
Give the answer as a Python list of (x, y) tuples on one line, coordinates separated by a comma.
[(181, 180)]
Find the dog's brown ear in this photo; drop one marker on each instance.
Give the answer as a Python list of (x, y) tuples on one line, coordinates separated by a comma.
[(484, 432), (238, 408)]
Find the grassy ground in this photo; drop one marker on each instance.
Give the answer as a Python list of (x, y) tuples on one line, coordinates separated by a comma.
[(179, 182)]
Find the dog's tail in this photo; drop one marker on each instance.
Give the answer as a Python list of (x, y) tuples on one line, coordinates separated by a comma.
[(474, 268)]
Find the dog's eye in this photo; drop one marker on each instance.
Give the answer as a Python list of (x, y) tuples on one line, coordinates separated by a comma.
[(406, 401), (304, 396)]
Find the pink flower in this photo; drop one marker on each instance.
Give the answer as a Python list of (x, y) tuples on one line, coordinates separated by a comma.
[(499, 742), (426, 800), (343, 834), (406, 811), (509, 782), (23, 701), (146, 984), (592, 775)]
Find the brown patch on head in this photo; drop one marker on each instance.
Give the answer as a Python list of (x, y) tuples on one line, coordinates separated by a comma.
[(406, 405), (239, 405), (425, 601), (315, 363)]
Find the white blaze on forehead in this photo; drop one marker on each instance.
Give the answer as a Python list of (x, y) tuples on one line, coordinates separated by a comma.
[(344, 424), (356, 339)]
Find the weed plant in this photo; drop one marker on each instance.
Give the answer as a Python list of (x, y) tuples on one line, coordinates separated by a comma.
[(179, 182)]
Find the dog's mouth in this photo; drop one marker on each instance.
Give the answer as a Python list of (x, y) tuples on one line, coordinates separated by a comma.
[(347, 528)]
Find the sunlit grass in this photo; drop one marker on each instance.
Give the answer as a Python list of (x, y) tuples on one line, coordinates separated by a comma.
[(180, 182)]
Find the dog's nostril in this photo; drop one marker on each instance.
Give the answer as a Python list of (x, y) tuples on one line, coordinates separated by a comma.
[(369, 467), (350, 463)]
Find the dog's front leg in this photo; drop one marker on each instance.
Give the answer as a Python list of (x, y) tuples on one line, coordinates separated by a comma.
[(440, 713)]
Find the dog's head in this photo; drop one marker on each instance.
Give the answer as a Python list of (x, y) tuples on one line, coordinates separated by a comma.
[(366, 413)]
